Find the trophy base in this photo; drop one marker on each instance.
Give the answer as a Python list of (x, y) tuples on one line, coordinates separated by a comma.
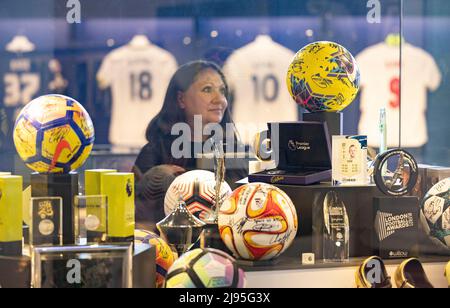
[(11, 248), (210, 238), (96, 237), (334, 120), (59, 185), (251, 263)]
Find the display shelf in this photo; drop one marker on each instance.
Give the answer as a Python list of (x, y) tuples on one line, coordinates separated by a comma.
[(295, 275), (286, 263)]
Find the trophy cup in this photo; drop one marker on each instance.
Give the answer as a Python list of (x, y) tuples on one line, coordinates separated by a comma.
[(180, 229), (219, 170)]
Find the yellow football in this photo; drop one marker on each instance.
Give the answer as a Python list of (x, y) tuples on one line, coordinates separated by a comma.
[(323, 76), (53, 134)]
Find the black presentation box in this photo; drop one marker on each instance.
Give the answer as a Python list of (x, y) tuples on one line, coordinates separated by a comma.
[(303, 152)]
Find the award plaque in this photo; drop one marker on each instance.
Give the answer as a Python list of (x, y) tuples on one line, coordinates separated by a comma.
[(91, 219), (336, 235), (107, 266), (396, 227), (46, 221), (58, 185), (350, 160)]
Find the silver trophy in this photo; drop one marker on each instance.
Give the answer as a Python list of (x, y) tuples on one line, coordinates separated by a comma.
[(219, 170), (211, 237), (180, 229)]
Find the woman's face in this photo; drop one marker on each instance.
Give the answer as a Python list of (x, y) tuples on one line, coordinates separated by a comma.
[(205, 97)]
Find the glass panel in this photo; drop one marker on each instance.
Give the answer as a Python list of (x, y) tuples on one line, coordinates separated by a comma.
[(82, 267), (425, 80), (117, 57), (425, 122)]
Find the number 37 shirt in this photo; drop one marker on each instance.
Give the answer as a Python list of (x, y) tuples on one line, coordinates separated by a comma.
[(138, 77), (380, 65), (23, 78)]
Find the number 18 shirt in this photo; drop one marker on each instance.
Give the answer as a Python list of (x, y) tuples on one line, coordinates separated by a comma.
[(138, 77), (380, 71)]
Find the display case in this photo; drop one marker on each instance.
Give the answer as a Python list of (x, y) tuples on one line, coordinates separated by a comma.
[(383, 85)]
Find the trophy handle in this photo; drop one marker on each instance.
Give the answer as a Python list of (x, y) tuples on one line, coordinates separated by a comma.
[(262, 146)]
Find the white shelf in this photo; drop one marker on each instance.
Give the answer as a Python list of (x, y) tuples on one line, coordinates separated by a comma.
[(341, 277)]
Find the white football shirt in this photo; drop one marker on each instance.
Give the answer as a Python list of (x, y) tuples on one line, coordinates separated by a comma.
[(380, 65), (138, 77), (256, 74)]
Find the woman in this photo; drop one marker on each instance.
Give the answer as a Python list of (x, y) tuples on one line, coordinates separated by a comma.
[(197, 89)]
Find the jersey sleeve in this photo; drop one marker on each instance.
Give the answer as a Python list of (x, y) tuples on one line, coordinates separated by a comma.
[(104, 74), (361, 61), (433, 74), (172, 66)]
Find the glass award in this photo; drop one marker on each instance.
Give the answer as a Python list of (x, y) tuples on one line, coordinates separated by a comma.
[(98, 266), (91, 219), (46, 221), (336, 236)]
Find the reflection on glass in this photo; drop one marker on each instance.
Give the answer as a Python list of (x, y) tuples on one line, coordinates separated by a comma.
[(82, 267)]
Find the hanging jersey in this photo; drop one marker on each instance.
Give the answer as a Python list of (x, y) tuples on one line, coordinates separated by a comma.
[(24, 78), (138, 77), (380, 82), (256, 74), (80, 71)]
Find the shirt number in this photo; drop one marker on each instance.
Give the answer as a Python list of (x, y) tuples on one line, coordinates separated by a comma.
[(266, 88), (20, 89), (141, 86), (395, 93)]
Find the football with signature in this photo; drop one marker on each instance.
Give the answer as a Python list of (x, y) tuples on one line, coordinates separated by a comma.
[(258, 222), (435, 212), (53, 134)]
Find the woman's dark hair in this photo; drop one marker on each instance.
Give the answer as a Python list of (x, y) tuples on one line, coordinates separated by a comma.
[(171, 113)]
